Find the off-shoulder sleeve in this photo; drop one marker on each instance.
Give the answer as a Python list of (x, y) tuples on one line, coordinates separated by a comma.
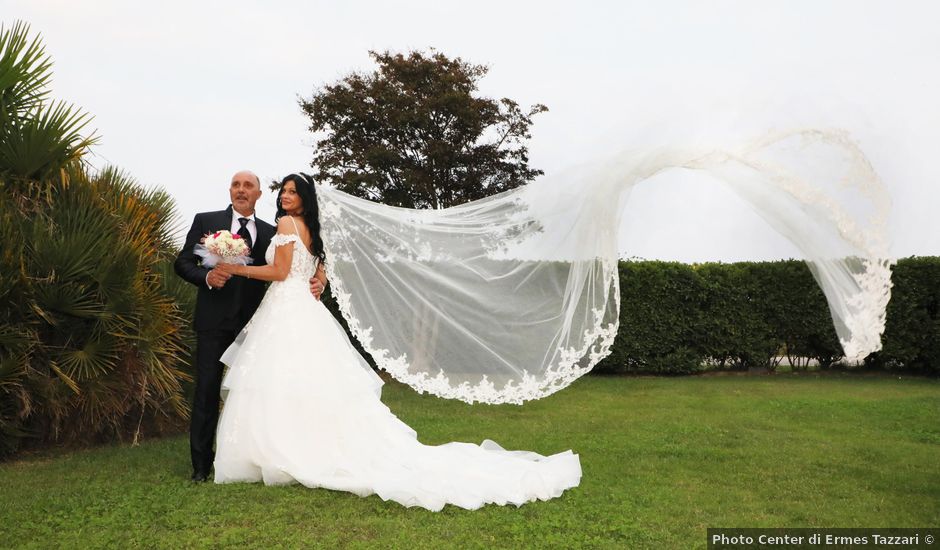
[(284, 238)]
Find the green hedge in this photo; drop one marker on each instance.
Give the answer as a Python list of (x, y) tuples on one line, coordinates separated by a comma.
[(679, 318), (912, 332), (659, 333)]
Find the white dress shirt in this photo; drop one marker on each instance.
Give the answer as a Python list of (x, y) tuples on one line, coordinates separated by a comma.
[(252, 228)]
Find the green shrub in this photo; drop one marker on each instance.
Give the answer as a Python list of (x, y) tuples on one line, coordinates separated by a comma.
[(678, 319), (92, 336), (912, 333), (92, 344), (660, 319)]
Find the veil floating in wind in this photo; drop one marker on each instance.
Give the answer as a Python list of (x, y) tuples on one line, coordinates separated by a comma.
[(513, 297)]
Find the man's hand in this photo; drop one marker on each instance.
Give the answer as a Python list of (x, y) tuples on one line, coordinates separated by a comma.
[(217, 278), (316, 287)]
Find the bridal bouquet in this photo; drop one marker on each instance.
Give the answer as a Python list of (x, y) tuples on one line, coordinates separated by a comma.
[(224, 247)]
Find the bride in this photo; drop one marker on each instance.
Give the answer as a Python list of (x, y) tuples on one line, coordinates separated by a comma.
[(302, 405), (504, 299)]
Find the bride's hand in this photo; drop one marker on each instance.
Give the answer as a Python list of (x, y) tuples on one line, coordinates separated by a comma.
[(231, 269)]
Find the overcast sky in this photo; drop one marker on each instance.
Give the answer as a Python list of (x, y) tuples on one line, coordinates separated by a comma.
[(184, 94)]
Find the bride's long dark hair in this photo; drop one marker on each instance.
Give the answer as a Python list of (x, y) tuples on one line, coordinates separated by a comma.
[(307, 192)]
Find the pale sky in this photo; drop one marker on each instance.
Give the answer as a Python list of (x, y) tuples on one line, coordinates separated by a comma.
[(184, 94)]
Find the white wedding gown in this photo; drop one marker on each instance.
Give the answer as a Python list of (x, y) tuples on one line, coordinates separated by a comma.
[(302, 405)]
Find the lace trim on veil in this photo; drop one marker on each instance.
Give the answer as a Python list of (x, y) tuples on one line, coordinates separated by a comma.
[(596, 346)]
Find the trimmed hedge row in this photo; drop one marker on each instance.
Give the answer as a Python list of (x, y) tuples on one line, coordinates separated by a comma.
[(678, 318), (912, 332)]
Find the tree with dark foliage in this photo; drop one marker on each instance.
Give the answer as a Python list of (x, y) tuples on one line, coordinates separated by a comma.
[(413, 133)]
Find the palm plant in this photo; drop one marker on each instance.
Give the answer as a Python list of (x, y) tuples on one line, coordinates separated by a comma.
[(38, 138), (111, 333), (92, 335), (16, 338)]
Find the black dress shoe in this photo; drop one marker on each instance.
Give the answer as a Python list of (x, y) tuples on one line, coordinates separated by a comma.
[(199, 477)]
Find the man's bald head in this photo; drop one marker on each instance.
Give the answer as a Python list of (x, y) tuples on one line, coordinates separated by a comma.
[(245, 190), (248, 174)]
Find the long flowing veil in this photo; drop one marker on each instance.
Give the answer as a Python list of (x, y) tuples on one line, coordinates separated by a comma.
[(513, 297)]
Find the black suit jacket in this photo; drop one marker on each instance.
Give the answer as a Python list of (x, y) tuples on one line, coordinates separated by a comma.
[(229, 307)]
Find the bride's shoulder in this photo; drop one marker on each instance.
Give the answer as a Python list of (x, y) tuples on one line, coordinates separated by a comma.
[(290, 229), (286, 225)]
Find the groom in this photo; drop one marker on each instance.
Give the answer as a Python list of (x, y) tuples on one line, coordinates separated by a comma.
[(223, 306)]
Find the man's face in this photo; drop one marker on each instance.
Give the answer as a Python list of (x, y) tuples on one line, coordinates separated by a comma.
[(245, 192)]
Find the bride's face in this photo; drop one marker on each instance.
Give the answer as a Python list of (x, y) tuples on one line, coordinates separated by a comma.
[(290, 200)]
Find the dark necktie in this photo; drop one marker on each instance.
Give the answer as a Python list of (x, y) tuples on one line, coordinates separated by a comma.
[(243, 231)]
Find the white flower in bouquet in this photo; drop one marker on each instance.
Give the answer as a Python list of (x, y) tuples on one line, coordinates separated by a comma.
[(223, 247)]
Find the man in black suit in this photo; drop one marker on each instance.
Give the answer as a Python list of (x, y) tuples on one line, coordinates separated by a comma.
[(223, 307)]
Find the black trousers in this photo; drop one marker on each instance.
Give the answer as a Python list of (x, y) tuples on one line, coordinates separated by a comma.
[(210, 345)]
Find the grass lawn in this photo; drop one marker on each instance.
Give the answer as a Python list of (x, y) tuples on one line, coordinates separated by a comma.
[(663, 459)]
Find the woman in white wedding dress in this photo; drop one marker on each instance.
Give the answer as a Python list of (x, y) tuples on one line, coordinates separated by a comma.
[(302, 405)]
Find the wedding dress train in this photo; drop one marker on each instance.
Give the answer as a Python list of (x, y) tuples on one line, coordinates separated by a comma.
[(302, 405)]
